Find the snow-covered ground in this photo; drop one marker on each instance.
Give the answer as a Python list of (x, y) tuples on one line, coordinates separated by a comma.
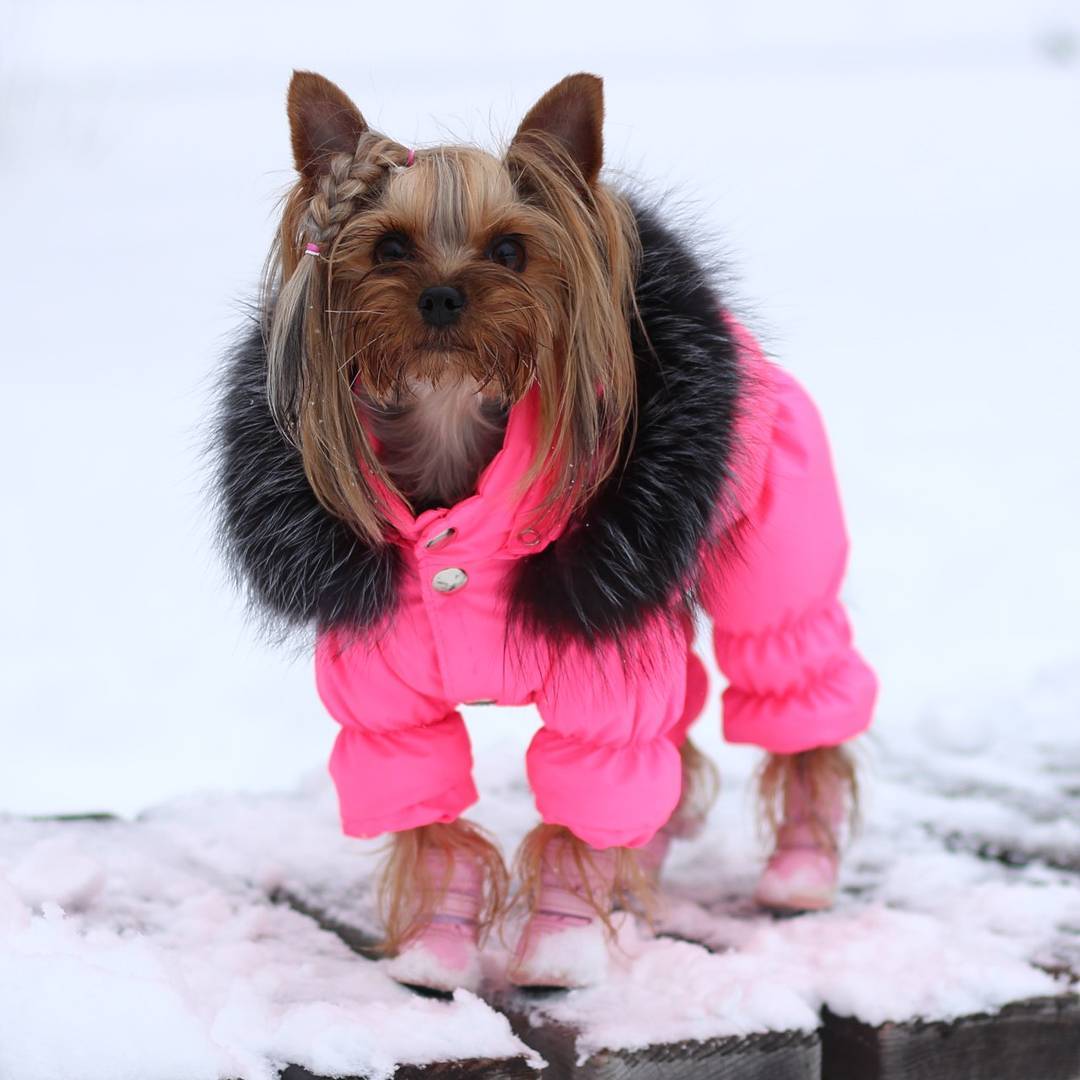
[(170, 920), (897, 191)]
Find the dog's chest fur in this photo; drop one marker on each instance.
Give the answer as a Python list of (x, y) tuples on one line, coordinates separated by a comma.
[(436, 442)]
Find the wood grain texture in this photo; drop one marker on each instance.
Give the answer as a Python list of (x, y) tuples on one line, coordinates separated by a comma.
[(356, 938), (468, 1069), (1029, 1040), (777, 1056)]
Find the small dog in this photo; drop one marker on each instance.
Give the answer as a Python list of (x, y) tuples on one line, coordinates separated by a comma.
[(498, 438)]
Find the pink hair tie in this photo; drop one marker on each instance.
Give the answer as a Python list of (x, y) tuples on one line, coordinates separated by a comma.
[(311, 249), (411, 158)]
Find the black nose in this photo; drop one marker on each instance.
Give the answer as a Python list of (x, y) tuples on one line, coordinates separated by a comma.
[(441, 305)]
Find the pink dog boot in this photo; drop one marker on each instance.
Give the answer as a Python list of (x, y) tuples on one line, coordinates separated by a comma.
[(443, 954), (802, 871), (564, 943)]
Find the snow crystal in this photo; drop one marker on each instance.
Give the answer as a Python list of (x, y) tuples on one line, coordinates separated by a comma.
[(575, 956)]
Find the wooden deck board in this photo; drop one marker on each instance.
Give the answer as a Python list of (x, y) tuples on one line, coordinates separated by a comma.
[(468, 1069), (776, 1056), (1028, 1040)]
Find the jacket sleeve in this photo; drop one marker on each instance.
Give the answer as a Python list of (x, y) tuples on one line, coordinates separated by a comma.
[(780, 633)]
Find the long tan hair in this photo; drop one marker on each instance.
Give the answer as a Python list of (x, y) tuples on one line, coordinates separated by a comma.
[(338, 321)]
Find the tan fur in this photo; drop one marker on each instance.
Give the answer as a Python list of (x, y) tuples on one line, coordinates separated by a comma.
[(407, 893), (632, 886), (816, 767), (700, 782), (437, 439)]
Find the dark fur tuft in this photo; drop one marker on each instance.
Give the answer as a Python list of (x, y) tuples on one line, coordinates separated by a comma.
[(298, 563), (634, 554)]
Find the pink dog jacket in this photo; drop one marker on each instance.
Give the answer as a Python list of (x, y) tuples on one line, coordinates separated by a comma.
[(605, 763)]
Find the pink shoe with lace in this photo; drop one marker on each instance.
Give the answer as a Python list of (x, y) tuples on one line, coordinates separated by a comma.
[(564, 943), (802, 872), (444, 954)]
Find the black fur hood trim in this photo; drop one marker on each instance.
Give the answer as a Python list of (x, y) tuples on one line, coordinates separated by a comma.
[(297, 562), (634, 552)]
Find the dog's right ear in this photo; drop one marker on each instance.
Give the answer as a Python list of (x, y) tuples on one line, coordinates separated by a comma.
[(323, 122)]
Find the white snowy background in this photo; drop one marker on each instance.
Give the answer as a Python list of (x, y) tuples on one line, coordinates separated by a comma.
[(896, 187)]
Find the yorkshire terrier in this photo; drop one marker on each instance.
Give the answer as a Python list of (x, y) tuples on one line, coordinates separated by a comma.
[(498, 438)]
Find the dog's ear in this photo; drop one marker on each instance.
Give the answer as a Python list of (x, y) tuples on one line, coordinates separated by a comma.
[(323, 122), (570, 115)]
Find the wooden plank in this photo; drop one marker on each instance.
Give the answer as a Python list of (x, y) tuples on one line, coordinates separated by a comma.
[(1013, 845), (791, 1055), (1037, 1039), (466, 1069), (93, 815), (357, 939), (1012, 850)]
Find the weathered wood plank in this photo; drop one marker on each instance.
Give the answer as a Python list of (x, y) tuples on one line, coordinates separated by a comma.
[(1028, 839), (776, 1056), (468, 1069), (1013, 851), (1029, 1040), (93, 815), (357, 939)]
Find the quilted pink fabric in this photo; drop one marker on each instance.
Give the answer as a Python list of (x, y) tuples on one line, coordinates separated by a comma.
[(605, 762)]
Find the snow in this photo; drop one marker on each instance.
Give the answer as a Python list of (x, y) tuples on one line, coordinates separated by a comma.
[(897, 192), (170, 918), (418, 964), (170, 967), (573, 956)]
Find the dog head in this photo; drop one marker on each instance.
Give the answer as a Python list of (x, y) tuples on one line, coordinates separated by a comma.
[(396, 268)]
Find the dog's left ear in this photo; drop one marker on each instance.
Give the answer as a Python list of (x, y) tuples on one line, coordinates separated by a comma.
[(570, 114)]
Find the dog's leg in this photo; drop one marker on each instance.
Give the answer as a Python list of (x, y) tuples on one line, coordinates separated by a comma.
[(569, 890), (700, 787), (806, 799), (441, 890)]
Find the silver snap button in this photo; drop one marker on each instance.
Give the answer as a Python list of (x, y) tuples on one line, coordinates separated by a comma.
[(450, 580), (440, 538), (530, 537)]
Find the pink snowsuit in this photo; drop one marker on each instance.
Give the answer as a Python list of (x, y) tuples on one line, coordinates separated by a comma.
[(605, 763)]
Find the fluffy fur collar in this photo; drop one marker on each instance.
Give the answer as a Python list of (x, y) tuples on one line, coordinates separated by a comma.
[(634, 552)]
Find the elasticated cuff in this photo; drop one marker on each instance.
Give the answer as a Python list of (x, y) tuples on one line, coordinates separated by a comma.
[(446, 807), (832, 708), (391, 781)]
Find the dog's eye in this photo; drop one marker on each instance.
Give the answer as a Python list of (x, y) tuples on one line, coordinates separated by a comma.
[(508, 251), (391, 247)]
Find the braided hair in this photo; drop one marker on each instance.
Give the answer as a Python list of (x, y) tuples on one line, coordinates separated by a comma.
[(311, 400), (295, 280)]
